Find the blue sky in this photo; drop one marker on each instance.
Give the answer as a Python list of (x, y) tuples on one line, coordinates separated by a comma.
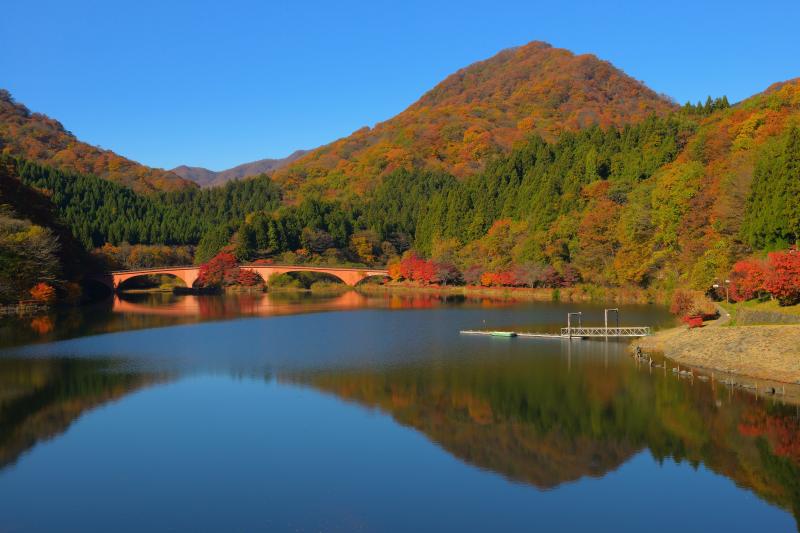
[(216, 84)]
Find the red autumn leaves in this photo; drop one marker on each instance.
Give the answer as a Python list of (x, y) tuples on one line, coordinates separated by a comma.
[(778, 276), (223, 270), (414, 268), (44, 293), (427, 272)]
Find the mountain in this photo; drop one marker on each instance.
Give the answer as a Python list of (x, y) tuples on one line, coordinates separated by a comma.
[(209, 178), (665, 203), (580, 174), (732, 190), (39, 138), (480, 112)]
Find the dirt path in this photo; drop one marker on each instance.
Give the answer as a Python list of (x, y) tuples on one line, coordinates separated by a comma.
[(723, 320)]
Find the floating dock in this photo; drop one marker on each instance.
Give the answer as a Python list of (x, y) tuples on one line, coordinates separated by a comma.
[(570, 333), (515, 334)]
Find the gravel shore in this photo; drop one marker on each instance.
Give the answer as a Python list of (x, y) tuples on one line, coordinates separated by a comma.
[(763, 352)]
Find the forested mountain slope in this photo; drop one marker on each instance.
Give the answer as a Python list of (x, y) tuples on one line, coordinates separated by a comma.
[(100, 211), (39, 138), (35, 247), (576, 172), (478, 113), (666, 202), (734, 189)]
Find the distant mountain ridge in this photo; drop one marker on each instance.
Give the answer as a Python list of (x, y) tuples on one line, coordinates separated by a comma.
[(210, 178)]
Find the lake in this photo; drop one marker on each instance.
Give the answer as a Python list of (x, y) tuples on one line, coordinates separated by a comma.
[(354, 413)]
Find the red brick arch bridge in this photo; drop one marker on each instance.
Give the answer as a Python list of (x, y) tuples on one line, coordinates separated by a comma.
[(188, 274)]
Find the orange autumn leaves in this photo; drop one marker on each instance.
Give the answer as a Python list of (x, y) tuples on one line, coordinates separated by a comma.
[(39, 138), (44, 293), (478, 113)]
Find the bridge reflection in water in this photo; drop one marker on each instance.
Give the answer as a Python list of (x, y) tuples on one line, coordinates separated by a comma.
[(169, 306), (245, 304)]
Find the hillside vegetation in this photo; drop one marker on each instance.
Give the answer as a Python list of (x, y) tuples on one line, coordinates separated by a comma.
[(39, 257), (665, 202), (608, 184), (477, 114), (40, 138)]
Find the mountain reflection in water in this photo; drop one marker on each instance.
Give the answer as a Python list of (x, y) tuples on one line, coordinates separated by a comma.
[(541, 414)]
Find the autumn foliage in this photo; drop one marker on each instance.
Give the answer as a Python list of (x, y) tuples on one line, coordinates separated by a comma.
[(535, 168), (783, 280), (40, 138), (223, 271), (44, 293), (690, 303), (416, 269), (747, 279), (779, 277), (480, 112)]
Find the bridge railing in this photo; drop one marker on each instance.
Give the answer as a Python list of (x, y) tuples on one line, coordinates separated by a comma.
[(630, 331)]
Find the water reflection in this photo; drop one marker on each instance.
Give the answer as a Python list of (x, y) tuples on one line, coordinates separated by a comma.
[(545, 414), (130, 311), (40, 398), (532, 422)]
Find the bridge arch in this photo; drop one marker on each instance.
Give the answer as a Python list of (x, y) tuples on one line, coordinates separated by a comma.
[(126, 283), (348, 275), (371, 276), (309, 277), (115, 280)]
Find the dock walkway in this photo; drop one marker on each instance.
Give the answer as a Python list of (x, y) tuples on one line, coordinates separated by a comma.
[(513, 334), (571, 333)]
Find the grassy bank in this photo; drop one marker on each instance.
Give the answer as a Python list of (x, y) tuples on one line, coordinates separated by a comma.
[(754, 313)]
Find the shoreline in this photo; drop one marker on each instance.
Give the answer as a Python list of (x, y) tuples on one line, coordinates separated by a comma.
[(23, 309), (767, 355), (578, 293)]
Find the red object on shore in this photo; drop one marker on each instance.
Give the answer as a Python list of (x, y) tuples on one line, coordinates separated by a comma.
[(694, 321)]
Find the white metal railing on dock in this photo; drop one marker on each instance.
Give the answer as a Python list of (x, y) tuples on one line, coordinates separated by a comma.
[(631, 331)]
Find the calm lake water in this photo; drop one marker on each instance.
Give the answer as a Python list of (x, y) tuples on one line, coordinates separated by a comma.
[(353, 413)]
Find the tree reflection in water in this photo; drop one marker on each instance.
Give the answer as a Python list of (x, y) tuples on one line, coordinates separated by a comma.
[(543, 419), (534, 423)]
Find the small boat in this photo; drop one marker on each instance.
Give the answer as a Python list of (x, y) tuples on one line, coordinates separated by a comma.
[(504, 334)]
